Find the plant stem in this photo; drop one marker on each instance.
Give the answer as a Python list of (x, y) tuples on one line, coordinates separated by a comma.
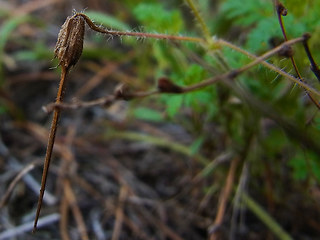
[(314, 67), (52, 135), (265, 218), (196, 13), (224, 196), (138, 34), (282, 11), (270, 66), (108, 100), (159, 142)]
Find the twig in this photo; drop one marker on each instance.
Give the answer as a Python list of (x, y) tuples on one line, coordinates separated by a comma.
[(75, 209), (99, 197), (272, 67), (119, 213), (314, 67), (282, 11), (63, 224), (238, 211), (167, 231), (96, 223), (224, 196), (231, 74), (104, 101), (20, 175), (159, 142), (44, 221)]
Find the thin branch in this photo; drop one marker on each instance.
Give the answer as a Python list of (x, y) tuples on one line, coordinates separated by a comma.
[(282, 11), (125, 94), (271, 66), (26, 227), (20, 175), (63, 224), (314, 67), (104, 101), (119, 213), (72, 202), (138, 34), (223, 198), (197, 15)]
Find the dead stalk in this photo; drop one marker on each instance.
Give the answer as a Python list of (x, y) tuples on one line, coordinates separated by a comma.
[(51, 138)]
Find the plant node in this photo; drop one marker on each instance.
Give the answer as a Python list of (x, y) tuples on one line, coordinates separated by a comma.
[(286, 51), (123, 92), (165, 85)]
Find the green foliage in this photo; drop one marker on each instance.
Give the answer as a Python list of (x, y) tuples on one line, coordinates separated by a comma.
[(2, 110), (305, 165), (218, 118), (38, 52), (155, 17), (260, 17), (6, 29), (196, 101), (196, 145), (108, 20), (247, 12), (147, 114), (173, 105)]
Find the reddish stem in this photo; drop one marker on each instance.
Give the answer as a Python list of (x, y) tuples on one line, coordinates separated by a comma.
[(52, 135)]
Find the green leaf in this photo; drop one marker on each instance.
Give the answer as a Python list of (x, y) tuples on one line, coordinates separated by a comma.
[(107, 20), (196, 145), (6, 29), (265, 29), (147, 114), (174, 103), (194, 74), (156, 18), (2, 110), (299, 167), (246, 12)]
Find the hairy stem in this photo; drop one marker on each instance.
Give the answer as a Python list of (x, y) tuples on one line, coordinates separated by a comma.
[(108, 100), (282, 11), (196, 13), (270, 66), (138, 34)]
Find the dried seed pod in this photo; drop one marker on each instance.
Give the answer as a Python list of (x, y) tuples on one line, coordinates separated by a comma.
[(70, 41), (282, 10)]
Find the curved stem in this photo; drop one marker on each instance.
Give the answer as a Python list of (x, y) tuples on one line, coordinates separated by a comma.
[(138, 34)]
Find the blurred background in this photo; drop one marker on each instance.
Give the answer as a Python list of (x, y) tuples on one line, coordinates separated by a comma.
[(236, 160)]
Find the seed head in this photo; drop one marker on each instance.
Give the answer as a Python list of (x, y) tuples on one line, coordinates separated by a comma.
[(70, 41)]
